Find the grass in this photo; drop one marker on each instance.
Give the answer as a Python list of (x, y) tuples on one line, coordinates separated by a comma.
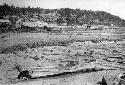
[(21, 41)]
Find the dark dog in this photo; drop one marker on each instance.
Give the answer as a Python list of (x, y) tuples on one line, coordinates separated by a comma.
[(24, 75)]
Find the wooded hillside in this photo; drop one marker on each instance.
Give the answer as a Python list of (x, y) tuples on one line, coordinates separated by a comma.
[(64, 15)]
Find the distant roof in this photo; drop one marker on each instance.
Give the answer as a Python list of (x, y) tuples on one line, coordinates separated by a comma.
[(4, 20), (41, 23)]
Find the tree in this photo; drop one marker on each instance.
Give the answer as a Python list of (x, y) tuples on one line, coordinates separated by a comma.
[(60, 20)]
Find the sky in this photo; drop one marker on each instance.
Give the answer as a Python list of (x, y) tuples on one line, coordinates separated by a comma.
[(115, 7)]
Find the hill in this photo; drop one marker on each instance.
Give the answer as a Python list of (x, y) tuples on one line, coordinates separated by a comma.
[(78, 16), (64, 15)]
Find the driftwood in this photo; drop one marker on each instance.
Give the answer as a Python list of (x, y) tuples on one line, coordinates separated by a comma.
[(45, 72)]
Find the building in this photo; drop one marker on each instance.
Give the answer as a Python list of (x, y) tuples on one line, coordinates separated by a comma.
[(4, 25), (19, 23), (4, 21), (40, 24), (29, 23)]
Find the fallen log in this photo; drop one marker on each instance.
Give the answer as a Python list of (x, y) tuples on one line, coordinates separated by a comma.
[(55, 72)]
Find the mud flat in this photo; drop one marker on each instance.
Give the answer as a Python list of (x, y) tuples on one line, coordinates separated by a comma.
[(52, 63), (61, 59)]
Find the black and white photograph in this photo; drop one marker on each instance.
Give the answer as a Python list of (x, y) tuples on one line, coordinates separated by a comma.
[(62, 42)]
